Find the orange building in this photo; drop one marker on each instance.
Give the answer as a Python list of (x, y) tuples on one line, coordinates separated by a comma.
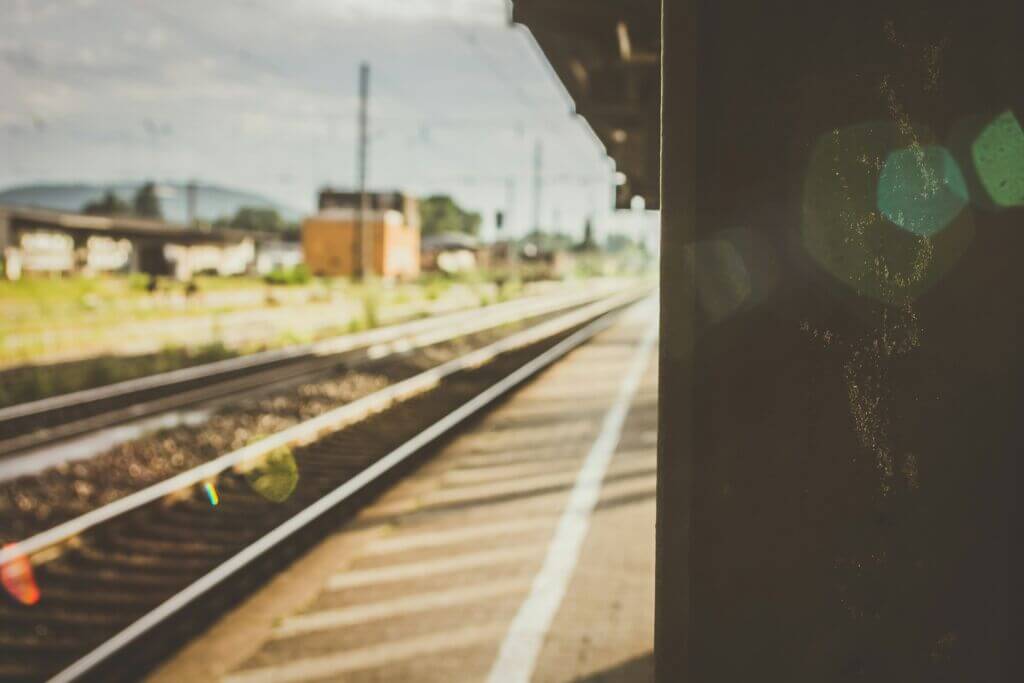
[(329, 243)]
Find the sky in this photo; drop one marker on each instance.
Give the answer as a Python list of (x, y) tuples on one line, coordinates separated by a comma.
[(262, 95)]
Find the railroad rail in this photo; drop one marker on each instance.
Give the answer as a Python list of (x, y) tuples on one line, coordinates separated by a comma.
[(123, 584), (30, 425)]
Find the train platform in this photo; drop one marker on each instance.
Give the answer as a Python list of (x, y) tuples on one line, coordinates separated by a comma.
[(524, 550)]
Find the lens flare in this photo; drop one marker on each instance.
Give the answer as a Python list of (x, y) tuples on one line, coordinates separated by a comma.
[(732, 270), (846, 233), (921, 189), (275, 476), (211, 494), (18, 578), (998, 156)]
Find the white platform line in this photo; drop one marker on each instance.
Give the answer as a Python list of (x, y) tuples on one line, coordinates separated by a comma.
[(487, 476), (418, 570), (504, 471), (354, 615), (517, 657), (479, 492), (426, 538), (507, 486), (333, 665), (541, 452)]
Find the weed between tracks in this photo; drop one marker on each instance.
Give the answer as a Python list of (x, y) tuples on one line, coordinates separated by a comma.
[(35, 503)]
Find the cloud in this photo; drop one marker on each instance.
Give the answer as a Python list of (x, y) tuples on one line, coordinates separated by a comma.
[(469, 11), (262, 94), (20, 58)]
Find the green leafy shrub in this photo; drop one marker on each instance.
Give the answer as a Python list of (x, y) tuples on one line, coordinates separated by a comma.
[(299, 275)]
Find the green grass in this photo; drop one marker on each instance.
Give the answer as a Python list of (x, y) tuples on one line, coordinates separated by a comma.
[(43, 319), (34, 382), (298, 275)]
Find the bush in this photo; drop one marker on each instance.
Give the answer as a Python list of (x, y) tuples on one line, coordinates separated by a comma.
[(139, 282), (509, 288), (434, 286), (299, 275), (371, 306), (33, 382)]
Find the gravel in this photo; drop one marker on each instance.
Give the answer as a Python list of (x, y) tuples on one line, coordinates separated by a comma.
[(31, 504)]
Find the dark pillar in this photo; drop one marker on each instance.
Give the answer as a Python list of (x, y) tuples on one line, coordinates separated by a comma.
[(675, 391), (840, 359)]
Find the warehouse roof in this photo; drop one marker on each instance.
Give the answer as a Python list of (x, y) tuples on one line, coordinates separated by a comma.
[(30, 218)]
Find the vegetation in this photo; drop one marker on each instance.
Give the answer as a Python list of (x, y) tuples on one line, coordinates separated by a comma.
[(435, 285), (548, 241), (34, 382), (299, 275), (371, 308), (440, 214), (617, 242), (510, 288), (146, 203), (108, 205), (588, 243), (121, 322), (256, 218)]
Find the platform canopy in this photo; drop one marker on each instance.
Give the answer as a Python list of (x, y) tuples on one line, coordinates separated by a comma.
[(607, 56)]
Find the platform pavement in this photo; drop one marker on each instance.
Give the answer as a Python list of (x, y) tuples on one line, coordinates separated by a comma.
[(523, 551)]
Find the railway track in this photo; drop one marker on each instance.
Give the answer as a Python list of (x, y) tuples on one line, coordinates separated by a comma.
[(121, 586), (28, 426)]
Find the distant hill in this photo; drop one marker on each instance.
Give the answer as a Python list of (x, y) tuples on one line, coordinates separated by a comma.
[(212, 202)]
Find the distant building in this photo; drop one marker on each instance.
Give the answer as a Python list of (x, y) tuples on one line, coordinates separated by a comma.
[(229, 258), (278, 255), (45, 241), (330, 238), (450, 252), (379, 201)]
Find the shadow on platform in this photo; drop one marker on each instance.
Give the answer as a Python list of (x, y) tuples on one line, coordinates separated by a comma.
[(638, 670)]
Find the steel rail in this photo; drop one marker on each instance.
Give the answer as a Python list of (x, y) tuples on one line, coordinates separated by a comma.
[(222, 377), (323, 347), (313, 429), (223, 572)]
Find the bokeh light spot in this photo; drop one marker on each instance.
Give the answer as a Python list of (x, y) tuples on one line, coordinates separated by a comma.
[(998, 155), (18, 579), (274, 476), (720, 277), (844, 231), (921, 189), (732, 271)]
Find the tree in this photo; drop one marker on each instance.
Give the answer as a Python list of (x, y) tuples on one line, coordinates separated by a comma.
[(146, 202), (548, 241), (440, 214), (108, 205), (255, 218), (588, 243), (617, 242)]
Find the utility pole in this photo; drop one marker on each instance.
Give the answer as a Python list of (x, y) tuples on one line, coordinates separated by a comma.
[(191, 190), (510, 200), (613, 187), (510, 239), (538, 169), (362, 243)]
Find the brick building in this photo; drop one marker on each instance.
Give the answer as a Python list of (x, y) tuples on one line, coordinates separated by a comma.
[(330, 239)]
